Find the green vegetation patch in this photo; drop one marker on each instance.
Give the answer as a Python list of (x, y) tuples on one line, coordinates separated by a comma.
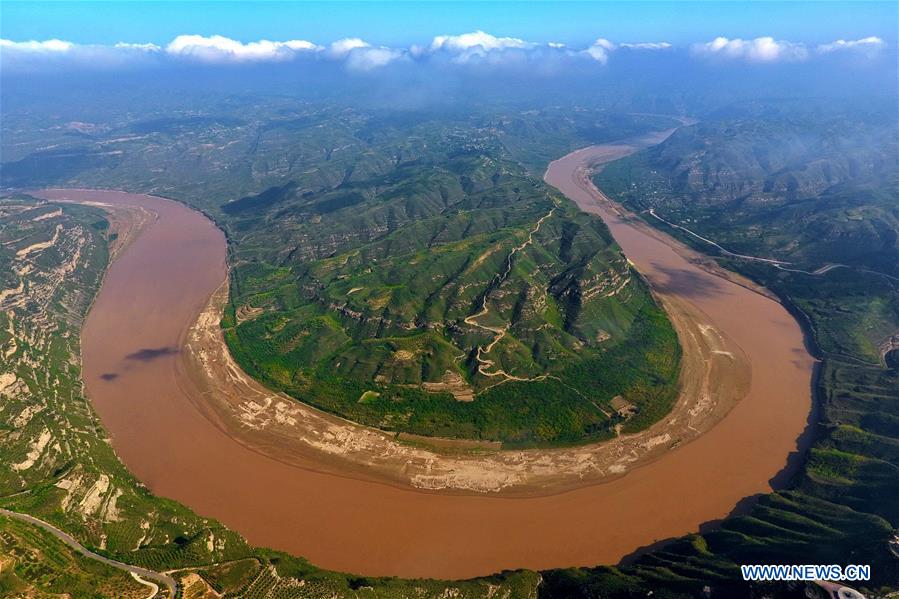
[(449, 281), (34, 563)]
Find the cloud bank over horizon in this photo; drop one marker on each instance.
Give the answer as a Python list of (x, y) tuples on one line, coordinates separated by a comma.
[(355, 54)]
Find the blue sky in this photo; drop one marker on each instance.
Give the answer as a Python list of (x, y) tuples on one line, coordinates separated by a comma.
[(395, 23)]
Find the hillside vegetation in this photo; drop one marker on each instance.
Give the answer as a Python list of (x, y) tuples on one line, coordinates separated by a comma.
[(815, 191), (58, 465), (838, 508), (454, 297), (403, 270), (35, 564)]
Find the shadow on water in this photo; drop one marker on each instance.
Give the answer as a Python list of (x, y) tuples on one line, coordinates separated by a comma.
[(147, 354), (779, 482), (109, 376), (743, 507), (687, 283)]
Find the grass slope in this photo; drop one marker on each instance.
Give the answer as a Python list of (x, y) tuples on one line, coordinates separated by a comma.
[(386, 307), (58, 466), (840, 507), (364, 243)]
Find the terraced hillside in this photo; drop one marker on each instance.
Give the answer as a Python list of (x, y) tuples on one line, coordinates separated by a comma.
[(210, 150), (838, 507), (58, 466), (453, 297), (812, 189), (34, 564), (403, 270), (57, 462)]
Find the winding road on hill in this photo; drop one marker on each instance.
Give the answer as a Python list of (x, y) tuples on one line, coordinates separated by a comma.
[(139, 574), (193, 427), (484, 364)]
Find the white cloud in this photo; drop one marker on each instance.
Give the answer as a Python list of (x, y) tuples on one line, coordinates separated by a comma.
[(341, 48), (218, 49), (761, 49), (865, 44), (355, 53), (141, 47), (646, 46), (58, 54), (477, 41), (359, 55), (368, 58), (483, 48), (46, 46), (600, 50), (477, 46), (300, 45)]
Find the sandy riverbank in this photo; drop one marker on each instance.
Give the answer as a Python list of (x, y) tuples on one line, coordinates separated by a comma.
[(189, 424)]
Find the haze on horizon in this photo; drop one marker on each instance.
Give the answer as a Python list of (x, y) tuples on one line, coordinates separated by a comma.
[(442, 53)]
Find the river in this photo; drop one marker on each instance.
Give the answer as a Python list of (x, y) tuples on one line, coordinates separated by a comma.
[(133, 349)]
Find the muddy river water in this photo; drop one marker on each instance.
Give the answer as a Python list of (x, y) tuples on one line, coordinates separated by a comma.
[(132, 345)]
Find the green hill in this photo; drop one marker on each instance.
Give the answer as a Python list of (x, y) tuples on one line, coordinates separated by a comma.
[(454, 297)]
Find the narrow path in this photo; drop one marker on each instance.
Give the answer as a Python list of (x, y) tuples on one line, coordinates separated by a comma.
[(815, 273), (779, 264), (154, 588), (727, 252), (484, 363), (179, 422), (136, 571)]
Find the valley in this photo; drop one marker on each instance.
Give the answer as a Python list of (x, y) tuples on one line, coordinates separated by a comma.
[(680, 285), (453, 300)]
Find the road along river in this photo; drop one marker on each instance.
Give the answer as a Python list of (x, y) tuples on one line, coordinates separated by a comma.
[(194, 428)]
